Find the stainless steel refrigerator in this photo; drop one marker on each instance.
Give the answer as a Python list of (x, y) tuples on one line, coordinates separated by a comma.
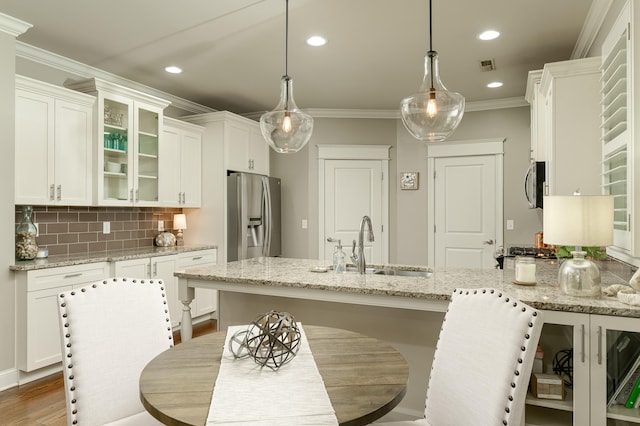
[(253, 216)]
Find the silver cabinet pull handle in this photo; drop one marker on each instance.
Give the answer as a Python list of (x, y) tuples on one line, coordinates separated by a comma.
[(51, 192), (59, 192), (196, 258), (77, 274)]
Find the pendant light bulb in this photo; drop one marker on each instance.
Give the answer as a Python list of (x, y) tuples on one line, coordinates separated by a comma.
[(286, 123), (434, 112), (432, 105), (286, 129)]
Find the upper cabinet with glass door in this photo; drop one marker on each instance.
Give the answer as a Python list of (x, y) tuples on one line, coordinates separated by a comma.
[(129, 128)]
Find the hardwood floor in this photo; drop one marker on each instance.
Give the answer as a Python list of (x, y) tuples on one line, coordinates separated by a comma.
[(41, 402)]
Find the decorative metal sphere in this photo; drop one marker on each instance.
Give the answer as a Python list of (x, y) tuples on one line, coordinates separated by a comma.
[(272, 339)]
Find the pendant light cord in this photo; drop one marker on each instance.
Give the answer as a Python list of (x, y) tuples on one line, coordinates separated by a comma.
[(286, 42), (430, 45)]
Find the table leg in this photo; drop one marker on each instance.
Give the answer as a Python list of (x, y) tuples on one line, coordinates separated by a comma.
[(186, 295)]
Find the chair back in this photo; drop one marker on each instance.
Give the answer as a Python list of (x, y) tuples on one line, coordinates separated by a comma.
[(483, 360), (110, 330)]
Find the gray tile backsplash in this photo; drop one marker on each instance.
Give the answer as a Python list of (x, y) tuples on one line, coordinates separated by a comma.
[(71, 230)]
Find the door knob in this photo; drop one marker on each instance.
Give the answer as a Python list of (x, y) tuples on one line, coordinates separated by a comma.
[(488, 242), (332, 240)]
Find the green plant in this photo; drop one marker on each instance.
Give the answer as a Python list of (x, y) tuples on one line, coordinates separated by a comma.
[(596, 253)]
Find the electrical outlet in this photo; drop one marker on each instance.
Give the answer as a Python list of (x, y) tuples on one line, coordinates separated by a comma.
[(510, 225), (160, 225), (305, 224), (106, 227)]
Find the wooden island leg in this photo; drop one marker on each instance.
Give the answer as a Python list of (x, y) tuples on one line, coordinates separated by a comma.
[(186, 295)]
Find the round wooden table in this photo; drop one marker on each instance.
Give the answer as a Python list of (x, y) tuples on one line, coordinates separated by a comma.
[(364, 377)]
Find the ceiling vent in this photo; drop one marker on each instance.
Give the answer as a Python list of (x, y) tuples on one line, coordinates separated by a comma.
[(487, 65)]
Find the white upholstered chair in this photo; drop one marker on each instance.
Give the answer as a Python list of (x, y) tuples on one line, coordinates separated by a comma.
[(483, 360), (110, 330)]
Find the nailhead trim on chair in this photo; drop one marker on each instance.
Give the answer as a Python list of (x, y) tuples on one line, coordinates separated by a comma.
[(523, 348), (67, 337)]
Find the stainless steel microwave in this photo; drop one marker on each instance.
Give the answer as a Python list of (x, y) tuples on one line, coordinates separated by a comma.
[(534, 181)]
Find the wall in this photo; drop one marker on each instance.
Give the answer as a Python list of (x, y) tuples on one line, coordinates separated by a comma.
[(75, 230), (408, 209), (299, 174), (7, 290)]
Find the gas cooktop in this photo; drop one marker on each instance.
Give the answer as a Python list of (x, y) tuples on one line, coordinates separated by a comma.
[(543, 253)]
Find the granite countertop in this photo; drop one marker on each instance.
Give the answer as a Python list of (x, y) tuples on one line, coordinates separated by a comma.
[(298, 273), (103, 256)]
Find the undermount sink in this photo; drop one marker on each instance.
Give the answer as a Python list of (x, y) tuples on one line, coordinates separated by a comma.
[(403, 272), (390, 271)]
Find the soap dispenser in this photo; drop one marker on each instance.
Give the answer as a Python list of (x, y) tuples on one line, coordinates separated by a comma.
[(339, 259)]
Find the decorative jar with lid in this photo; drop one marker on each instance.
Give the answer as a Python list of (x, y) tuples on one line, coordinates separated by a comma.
[(26, 247)]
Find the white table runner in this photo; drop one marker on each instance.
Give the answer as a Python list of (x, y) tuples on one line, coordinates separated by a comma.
[(247, 394)]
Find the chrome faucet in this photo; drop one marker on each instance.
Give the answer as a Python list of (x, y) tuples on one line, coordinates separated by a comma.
[(358, 258)]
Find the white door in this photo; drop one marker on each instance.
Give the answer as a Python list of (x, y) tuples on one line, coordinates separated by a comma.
[(465, 211), (353, 189)]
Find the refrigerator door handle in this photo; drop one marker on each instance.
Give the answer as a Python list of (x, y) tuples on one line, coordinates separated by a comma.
[(268, 225)]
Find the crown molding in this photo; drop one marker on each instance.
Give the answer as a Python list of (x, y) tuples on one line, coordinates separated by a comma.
[(53, 60), (393, 114), (13, 26), (591, 27)]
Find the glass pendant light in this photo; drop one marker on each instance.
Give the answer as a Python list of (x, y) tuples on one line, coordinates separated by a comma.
[(286, 129), (433, 113)]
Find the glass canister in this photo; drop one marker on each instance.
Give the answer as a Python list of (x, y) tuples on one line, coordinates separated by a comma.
[(525, 270), (26, 247)]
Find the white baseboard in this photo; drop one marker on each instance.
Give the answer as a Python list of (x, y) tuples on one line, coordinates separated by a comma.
[(24, 377), (8, 379)]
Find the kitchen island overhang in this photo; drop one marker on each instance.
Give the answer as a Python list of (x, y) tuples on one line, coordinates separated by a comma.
[(406, 312), (297, 278)]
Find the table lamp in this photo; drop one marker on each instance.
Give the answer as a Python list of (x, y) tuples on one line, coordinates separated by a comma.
[(179, 223), (578, 220)]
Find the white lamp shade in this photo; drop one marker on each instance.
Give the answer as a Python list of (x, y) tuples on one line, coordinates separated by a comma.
[(578, 220), (179, 221)]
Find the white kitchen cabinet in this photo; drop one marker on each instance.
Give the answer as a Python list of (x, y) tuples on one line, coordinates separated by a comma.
[(38, 330), (592, 339), (206, 300), (245, 148), (237, 139), (53, 130), (571, 93), (536, 100), (160, 268), (619, 145), (180, 164), (562, 331), (128, 131)]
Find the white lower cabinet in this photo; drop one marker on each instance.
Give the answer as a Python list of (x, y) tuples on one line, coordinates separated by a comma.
[(38, 334), (205, 301), (594, 340), (161, 268)]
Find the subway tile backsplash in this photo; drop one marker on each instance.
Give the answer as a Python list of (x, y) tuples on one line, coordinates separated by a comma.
[(74, 230)]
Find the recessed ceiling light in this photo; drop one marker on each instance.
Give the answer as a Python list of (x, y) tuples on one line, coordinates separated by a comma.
[(489, 35), (494, 84), (316, 41), (173, 69)]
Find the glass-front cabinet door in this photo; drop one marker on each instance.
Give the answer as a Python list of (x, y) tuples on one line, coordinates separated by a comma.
[(129, 128), (146, 155), (116, 152)]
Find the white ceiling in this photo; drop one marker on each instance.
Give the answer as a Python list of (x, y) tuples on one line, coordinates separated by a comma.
[(232, 51)]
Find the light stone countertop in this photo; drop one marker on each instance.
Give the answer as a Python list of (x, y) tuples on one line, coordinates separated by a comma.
[(103, 256), (297, 273)]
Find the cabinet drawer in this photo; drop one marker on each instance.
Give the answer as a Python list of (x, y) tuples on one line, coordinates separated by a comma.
[(197, 258), (64, 276)]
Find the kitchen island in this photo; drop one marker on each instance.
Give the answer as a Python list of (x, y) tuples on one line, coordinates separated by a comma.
[(407, 312)]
